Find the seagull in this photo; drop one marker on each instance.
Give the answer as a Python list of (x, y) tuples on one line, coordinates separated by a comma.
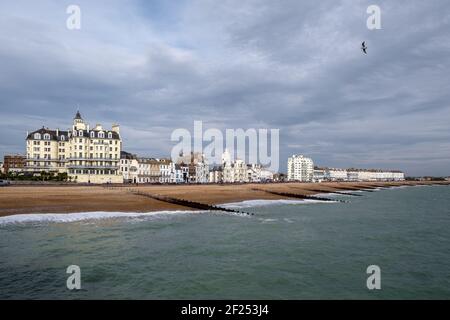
[(363, 47)]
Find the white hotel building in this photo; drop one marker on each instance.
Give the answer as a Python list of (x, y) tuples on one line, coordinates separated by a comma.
[(87, 155)]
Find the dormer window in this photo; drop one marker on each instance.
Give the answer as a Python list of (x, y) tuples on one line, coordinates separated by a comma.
[(63, 138), (109, 135), (37, 136), (92, 134), (80, 133), (101, 135), (46, 136), (74, 133)]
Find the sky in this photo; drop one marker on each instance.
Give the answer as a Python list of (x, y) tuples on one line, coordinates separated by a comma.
[(297, 66)]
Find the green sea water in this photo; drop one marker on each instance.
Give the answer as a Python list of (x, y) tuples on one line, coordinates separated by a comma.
[(290, 250)]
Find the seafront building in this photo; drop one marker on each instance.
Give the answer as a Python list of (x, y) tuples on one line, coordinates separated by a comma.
[(87, 155), (235, 172), (149, 170), (197, 167), (253, 172), (266, 176), (238, 171), (216, 175), (300, 168), (355, 175), (13, 163), (335, 174)]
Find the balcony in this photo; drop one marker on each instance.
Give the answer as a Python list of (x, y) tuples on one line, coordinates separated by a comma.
[(45, 159), (92, 167), (92, 159)]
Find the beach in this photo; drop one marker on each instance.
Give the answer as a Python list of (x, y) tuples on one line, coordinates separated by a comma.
[(25, 199)]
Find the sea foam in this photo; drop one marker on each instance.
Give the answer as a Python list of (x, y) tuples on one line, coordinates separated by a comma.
[(264, 202), (81, 216)]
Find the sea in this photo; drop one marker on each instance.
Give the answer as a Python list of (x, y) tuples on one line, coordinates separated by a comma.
[(289, 249)]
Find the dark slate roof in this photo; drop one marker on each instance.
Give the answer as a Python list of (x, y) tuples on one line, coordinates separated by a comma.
[(52, 134), (78, 115), (87, 134), (127, 155)]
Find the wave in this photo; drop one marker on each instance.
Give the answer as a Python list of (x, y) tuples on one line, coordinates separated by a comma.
[(81, 216), (268, 220), (264, 202), (350, 191), (331, 195)]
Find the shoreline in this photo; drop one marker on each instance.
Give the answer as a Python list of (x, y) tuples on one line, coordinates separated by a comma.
[(50, 199)]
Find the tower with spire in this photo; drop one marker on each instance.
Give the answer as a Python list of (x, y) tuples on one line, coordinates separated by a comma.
[(78, 122)]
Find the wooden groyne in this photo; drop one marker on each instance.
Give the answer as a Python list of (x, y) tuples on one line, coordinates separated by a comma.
[(333, 192), (187, 203), (356, 189), (299, 196), (366, 187)]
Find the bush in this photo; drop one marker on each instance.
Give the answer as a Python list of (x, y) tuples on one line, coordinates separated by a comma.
[(28, 176)]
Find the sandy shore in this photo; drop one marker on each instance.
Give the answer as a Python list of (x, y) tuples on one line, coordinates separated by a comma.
[(69, 199)]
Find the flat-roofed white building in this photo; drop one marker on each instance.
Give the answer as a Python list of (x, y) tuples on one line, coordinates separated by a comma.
[(300, 168), (335, 174)]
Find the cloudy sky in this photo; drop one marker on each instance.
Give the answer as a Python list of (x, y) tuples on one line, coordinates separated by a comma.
[(154, 66)]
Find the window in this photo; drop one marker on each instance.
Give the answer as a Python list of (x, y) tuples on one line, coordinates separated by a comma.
[(37, 136), (92, 134), (74, 133), (109, 135), (80, 133), (63, 138), (101, 135), (46, 136)]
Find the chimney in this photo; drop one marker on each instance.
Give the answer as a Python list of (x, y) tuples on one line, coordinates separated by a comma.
[(57, 132), (116, 128)]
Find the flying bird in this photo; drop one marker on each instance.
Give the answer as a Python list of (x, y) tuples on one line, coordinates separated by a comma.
[(364, 47)]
